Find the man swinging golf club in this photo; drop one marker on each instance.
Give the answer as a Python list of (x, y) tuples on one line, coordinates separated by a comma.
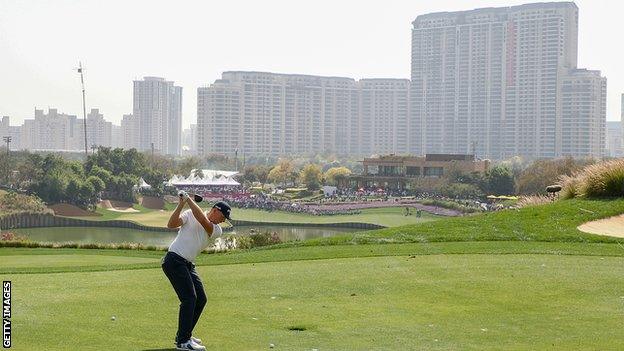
[(179, 262)]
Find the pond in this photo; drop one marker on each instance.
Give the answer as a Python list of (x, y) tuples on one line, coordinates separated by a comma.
[(108, 235)]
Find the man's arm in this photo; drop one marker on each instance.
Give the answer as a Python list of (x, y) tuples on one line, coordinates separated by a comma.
[(175, 220), (200, 216)]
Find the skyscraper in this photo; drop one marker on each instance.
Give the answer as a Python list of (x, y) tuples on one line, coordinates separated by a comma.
[(130, 132), (262, 113), (489, 81), (99, 131), (157, 106)]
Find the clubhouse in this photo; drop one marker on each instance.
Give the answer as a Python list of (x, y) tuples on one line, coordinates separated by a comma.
[(396, 172)]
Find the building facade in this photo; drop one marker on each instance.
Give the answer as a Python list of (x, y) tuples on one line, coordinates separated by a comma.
[(262, 113), (583, 114), (490, 81), (130, 132), (398, 172), (52, 131), (99, 131), (15, 132), (157, 106)]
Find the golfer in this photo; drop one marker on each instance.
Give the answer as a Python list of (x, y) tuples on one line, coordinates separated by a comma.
[(179, 262)]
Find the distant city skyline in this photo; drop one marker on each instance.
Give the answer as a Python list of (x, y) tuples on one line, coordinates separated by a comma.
[(116, 41)]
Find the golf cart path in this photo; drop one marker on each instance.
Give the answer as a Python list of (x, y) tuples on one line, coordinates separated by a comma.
[(612, 226)]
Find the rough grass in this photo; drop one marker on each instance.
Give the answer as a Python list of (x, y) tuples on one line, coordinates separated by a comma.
[(604, 179)]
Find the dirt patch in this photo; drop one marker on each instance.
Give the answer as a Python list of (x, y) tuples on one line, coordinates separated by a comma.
[(154, 203), (612, 226), (71, 211)]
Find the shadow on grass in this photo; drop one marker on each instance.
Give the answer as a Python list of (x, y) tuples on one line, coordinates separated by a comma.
[(165, 349)]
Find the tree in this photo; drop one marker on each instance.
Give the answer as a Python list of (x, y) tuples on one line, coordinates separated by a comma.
[(155, 178), (101, 173), (187, 164), (97, 183), (500, 180), (73, 187), (332, 175), (255, 173), (281, 173), (542, 173), (87, 195), (5, 167), (311, 175)]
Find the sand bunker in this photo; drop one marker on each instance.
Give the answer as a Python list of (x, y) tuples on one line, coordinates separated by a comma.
[(612, 226), (117, 206), (70, 211), (126, 210)]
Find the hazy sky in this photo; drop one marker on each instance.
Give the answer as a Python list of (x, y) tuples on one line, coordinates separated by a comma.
[(192, 42)]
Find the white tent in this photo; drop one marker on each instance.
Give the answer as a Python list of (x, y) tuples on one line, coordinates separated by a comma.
[(143, 184), (205, 177)]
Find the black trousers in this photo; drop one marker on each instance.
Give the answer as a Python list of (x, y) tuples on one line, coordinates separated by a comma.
[(190, 290)]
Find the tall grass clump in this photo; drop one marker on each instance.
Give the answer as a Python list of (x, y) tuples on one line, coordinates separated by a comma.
[(533, 200), (605, 179)]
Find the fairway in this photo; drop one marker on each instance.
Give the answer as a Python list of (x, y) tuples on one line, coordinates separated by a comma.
[(31, 261), (385, 216), (422, 302)]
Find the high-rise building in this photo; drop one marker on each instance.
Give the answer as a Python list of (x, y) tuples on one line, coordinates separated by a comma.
[(583, 114), (116, 136), (261, 113), (52, 131), (189, 140), (4, 126), (15, 132), (157, 105), (489, 81), (99, 131), (381, 122), (130, 132), (615, 147)]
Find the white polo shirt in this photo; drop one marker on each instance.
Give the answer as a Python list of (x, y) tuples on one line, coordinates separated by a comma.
[(192, 237)]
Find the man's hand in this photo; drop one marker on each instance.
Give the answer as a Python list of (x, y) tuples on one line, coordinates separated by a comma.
[(183, 195)]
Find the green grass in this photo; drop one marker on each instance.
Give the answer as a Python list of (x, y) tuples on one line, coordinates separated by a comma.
[(513, 280), (70, 260), (430, 302), (385, 216), (550, 222)]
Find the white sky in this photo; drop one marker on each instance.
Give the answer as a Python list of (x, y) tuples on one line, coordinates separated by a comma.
[(192, 42)]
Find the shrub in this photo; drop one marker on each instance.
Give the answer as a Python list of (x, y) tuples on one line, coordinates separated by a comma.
[(461, 191), (257, 240), (605, 179)]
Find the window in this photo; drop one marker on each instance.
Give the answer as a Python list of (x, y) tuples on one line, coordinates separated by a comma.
[(433, 171)]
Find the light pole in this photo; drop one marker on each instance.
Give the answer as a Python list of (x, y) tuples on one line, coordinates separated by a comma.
[(236, 159), (84, 108)]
